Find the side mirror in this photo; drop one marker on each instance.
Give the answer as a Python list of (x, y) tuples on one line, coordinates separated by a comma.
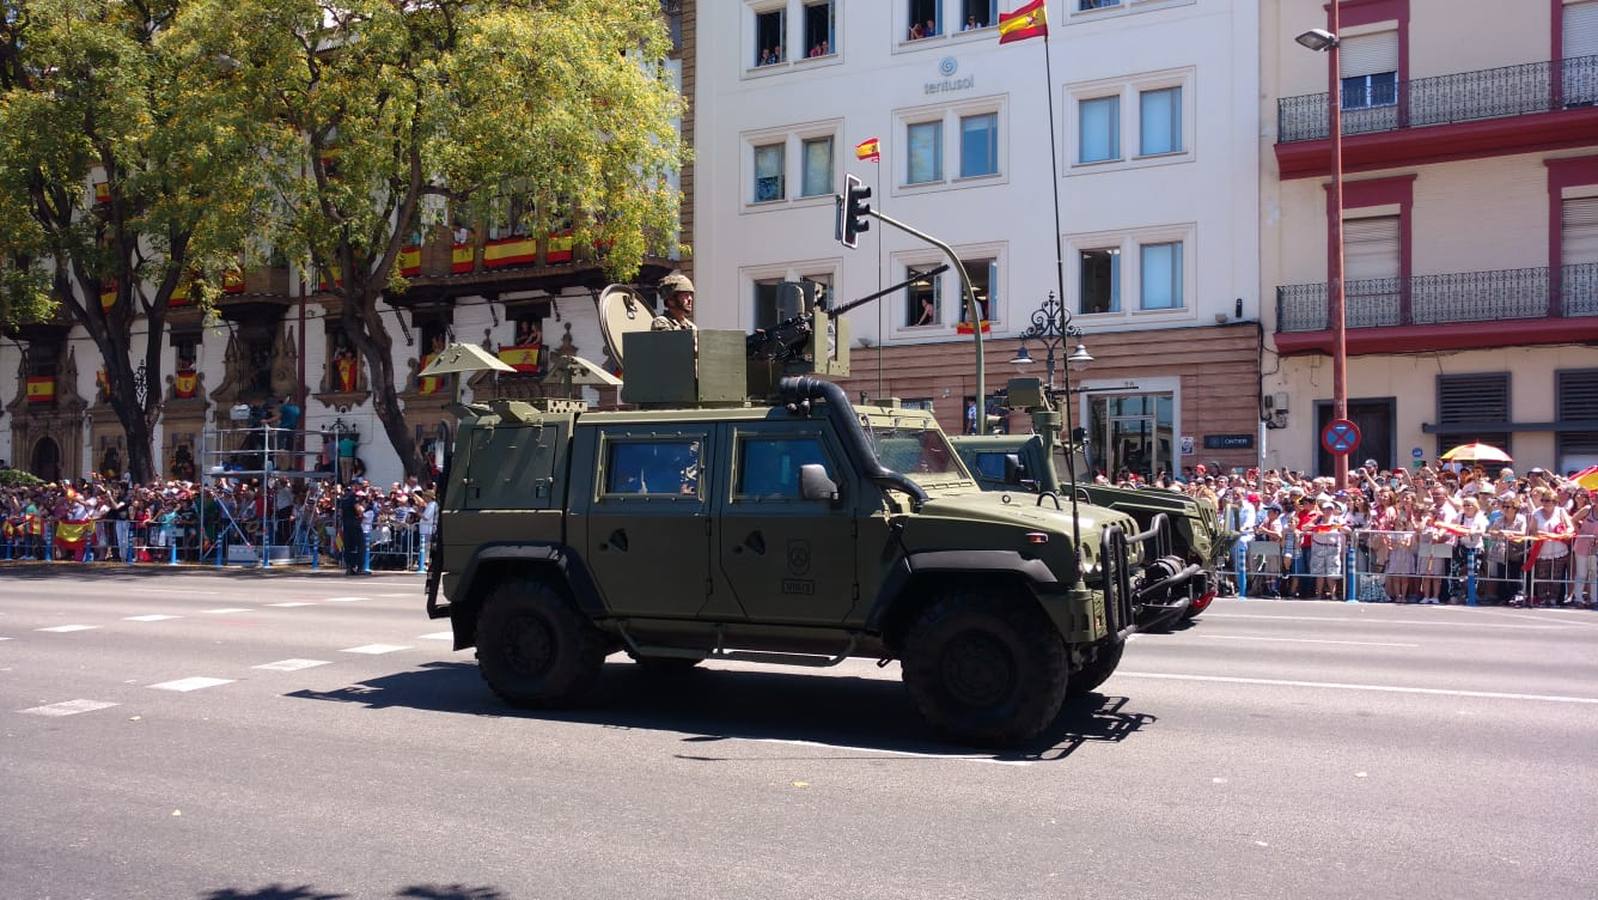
[(1014, 468), (814, 483)]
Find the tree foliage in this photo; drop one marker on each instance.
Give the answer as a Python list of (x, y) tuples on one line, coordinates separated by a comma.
[(95, 90), (370, 117)]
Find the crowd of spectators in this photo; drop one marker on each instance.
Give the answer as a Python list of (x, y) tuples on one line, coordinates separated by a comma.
[(1417, 535), (104, 519)]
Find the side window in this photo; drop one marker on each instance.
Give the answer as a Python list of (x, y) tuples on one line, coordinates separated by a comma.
[(990, 466), (654, 468), (768, 468)]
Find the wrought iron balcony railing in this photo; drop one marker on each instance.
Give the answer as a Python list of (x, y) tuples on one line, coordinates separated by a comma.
[(1443, 299), (1444, 100)]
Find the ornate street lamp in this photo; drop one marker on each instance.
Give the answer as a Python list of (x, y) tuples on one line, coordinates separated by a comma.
[(1051, 326)]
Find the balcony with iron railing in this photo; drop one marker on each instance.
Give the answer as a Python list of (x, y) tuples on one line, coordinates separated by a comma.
[(1458, 310), (1480, 113)]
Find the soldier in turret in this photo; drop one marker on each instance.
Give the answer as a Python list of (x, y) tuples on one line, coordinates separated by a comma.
[(677, 293)]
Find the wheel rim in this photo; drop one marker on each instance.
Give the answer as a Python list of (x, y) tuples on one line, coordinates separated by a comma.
[(529, 646), (978, 670)]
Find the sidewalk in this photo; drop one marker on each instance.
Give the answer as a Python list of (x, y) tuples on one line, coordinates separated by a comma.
[(67, 568)]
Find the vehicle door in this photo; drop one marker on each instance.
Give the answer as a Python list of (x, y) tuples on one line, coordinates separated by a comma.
[(786, 558), (648, 528)]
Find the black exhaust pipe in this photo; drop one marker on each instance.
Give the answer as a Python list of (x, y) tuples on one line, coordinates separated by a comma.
[(796, 388)]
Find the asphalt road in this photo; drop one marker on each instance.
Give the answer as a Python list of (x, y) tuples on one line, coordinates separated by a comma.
[(289, 737)]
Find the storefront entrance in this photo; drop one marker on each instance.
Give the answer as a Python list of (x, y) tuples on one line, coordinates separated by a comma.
[(1132, 433), (46, 461)]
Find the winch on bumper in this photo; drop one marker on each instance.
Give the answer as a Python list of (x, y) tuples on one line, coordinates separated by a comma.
[(1155, 596)]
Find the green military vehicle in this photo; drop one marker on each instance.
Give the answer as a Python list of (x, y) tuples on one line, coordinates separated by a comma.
[(742, 513), (1036, 463)]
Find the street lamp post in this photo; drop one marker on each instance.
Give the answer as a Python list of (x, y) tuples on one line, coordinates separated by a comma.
[(1051, 326), (1329, 42)]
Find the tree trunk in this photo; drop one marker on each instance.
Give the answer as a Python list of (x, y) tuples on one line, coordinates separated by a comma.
[(366, 330)]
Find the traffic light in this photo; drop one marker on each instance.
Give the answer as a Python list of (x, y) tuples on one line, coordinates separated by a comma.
[(852, 212)]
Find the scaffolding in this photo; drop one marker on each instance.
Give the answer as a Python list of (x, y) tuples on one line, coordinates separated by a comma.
[(277, 458)]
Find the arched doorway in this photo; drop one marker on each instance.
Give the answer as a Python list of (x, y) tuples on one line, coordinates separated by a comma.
[(46, 461)]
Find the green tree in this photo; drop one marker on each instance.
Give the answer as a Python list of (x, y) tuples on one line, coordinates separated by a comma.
[(374, 116), (91, 89)]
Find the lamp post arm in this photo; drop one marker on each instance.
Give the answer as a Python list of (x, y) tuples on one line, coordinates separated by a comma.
[(972, 310)]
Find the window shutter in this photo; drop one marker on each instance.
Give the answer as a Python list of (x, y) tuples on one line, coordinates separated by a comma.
[(1577, 402), (1581, 29), (1369, 54), (1482, 397), (1371, 248), (1579, 231)]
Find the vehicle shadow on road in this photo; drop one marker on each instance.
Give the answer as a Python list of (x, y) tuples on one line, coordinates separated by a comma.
[(306, 892), (718, 706)]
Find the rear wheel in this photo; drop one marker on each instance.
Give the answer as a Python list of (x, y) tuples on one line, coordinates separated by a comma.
[(534, 648), (984, 669), (1098, 671)]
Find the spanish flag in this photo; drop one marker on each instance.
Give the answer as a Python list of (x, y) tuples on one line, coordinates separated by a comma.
[(868, 150), (427, 384), (41, 388), (184, 384), (1030, 21), (522, 358), (73, 535)]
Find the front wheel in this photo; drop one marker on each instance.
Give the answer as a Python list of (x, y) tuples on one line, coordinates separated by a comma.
[(533, 646), (985, 669), (1098, 671)]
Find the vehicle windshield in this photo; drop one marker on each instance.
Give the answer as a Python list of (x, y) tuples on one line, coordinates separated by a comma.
[(915, 451)]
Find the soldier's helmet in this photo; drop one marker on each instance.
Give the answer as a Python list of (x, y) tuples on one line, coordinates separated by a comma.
[(674, 284)]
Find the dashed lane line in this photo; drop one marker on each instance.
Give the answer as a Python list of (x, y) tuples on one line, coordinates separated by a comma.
[(67, 629), (292, 665), (226, 610), (438, 636), (67, 708), (1282, 640), (1379, 688), (342, 599), (291, 604), (152, 617), (184, 685), (1381, 621), (375, 649)]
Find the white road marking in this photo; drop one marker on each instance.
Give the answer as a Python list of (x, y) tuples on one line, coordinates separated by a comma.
[(152, 617), (136, 590), (438, 636), (343, 599), (1377, 621), (65, 629), (4, 638), (374, 649), (191, 684), (68, 708), (291, 665), (291, 604), (226, 610), (1249, 637), (911, 753), (1380, 688), (407, 594)]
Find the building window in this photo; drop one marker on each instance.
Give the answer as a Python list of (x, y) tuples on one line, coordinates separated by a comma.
[(922, 307), (1161, 112), (979, 145), (1085, 5), (769, 30), (817, 180), (925, 140), (984, 275), (1161, 275), (1370, 70), (821, 38), (926, 19), (767, 312), (1577, 401), (769, 164), (1479, 397), (978, 14), (1101, 129), (1100, 280)]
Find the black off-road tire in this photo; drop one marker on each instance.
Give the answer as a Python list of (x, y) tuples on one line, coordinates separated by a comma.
[(534, 648), (1095, 673), (985, 669)]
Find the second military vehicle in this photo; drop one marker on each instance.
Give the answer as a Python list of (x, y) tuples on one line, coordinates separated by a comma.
[(742, 513)]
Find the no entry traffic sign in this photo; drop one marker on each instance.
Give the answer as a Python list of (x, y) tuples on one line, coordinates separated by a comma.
[(1340, 437)]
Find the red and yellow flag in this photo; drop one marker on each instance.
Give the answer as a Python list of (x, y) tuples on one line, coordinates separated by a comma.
[(184, 384), (428, 384), (1029, 21), (73, 535), (41, 388), (522, 359), (868, 150)]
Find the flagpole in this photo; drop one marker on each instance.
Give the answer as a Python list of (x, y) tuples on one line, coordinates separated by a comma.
[(881, 326)]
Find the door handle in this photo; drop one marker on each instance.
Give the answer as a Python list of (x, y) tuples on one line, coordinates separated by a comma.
[(617, 540)]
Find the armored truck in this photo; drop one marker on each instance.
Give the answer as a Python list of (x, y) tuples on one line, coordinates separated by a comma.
[(775, 524)]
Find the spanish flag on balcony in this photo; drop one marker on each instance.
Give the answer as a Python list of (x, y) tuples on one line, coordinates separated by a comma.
[(965, 327), (461, 257), (410, 261), (233, 281), (41, 388), (344, 367), (102, 192), (431, 383), (72, 536), (184, 384), (868, 150), (1029, 21), (108, 299), (522, 359)]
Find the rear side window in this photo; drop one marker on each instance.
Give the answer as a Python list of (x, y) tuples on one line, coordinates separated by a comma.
[(768, 468), (990, 466), (669, 468)]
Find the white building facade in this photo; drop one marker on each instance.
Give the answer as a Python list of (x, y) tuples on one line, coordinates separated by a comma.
[(1156, 114)]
